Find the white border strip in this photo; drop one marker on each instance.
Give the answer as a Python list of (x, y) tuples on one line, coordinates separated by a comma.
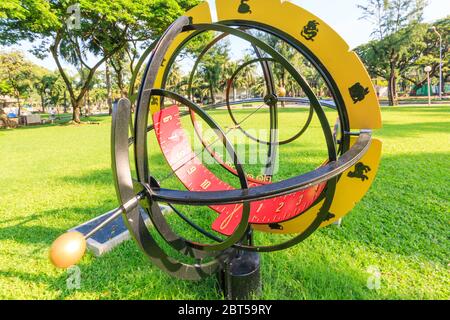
[(213, 10)]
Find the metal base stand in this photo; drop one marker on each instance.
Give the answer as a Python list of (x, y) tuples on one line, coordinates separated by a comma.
[(240, 278)]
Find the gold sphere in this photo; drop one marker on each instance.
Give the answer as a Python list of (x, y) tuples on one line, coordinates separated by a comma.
[(281, 92), (67, 249)]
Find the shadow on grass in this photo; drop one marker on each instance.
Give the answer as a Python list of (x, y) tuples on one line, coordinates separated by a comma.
[(425, 110), (313, 278), (126, 274), (103, 177), (34, 234), (30, 234), (405, 210), (96, 120), (404, 213)]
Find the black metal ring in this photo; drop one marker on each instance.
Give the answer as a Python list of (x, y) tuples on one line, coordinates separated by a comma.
[(227, 96), (243, 225), (133, 218), (151, 191)]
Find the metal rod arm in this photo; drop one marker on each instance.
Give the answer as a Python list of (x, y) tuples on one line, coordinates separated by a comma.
[(133, 203)]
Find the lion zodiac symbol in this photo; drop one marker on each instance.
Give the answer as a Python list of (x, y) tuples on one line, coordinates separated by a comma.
[(310, 31), (244, 7), (360, 172)]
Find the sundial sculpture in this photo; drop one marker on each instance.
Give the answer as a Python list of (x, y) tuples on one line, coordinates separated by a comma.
[(297, 206)]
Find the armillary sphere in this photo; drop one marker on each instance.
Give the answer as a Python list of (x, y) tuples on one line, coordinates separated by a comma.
[(243, 208)]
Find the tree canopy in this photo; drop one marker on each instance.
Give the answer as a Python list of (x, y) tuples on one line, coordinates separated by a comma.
[(402, 44), (102, 29)]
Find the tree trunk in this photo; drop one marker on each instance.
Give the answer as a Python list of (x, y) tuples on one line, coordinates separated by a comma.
[(211, 92), (42, 104), (88, 113), (283, 85), (392, 89), (65, 101), (76, 105), (121, 85), (108, 88), (19, 107)]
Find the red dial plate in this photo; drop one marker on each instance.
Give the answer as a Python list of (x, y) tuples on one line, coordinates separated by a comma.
[(178, 151)]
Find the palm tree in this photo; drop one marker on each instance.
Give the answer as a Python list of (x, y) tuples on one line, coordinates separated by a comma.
[(211, 68)]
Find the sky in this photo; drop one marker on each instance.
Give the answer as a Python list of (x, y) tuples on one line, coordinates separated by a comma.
[(342, 15)]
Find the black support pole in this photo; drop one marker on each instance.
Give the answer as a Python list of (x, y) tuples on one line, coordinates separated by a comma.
[(240, 277)]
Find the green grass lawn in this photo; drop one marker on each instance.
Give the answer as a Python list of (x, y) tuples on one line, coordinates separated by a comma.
[(56, 177)]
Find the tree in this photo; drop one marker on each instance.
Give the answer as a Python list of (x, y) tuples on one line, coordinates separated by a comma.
[(429, 56), (211, 68), (175, 81), (16, 75), (247, 77), (50, 87), (119, 63), (104, 28), (396, 32), (283, 79)]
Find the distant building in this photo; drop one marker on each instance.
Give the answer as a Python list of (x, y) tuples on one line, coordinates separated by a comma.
[(381, 88), (423, 90)]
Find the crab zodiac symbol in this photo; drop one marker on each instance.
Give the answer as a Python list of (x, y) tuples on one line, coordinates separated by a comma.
[(310, 31)]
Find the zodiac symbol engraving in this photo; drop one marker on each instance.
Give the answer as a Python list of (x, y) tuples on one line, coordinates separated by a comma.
[(358, 92), (310, 31), (244, 7), (360, 172), (154, 101), (276, 226)]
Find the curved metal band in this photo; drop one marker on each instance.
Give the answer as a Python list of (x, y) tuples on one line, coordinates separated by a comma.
[(228, 104), (312, 98), (314, 60), (314, 225), (271, 51), (199, 58), (151, 190), (131, 94), (140, 130), (321, 216), (270, 88), (323, 103), (138, 67), (243, 225), (132, 218)]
